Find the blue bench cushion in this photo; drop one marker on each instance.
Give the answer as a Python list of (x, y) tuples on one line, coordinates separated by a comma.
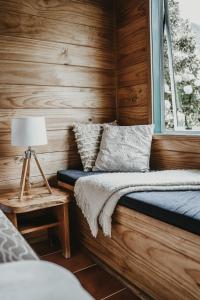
[(179, 208), (70, 176)]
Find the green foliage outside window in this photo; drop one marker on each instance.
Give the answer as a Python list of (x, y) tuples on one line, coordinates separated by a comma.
[(186, 58)]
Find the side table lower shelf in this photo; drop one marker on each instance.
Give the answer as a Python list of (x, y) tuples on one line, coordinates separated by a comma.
[(34, 225), (40, 212)]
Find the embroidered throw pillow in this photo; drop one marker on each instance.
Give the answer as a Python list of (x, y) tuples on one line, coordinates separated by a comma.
[(88, 139), (125, 149), (13, 247)]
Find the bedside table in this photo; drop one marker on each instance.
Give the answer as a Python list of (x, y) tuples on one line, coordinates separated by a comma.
[(40, 211)]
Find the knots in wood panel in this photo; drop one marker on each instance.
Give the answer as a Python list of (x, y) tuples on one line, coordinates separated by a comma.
[(65, 51), (133, 98)]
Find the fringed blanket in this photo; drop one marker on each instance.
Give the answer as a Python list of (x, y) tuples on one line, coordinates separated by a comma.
[(97, 195)]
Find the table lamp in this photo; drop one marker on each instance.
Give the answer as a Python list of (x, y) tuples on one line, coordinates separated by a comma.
[(28, 132)]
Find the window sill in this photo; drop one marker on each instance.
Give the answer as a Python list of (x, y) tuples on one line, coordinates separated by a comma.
[(177, 134)]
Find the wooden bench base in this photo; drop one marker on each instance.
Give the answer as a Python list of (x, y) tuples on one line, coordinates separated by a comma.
[(158, 258)]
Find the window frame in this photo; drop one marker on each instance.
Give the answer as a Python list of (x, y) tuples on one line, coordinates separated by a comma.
[(157, 71), (157, 65)]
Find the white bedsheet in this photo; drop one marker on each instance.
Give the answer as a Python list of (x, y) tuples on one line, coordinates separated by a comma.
[(39, 280)]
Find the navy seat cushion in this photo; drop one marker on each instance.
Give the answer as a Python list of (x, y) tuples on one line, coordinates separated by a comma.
[(70, 176), (179, 208)]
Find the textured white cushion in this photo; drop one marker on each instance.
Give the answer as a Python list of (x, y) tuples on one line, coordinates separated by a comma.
[(88, 138), (125, 149)]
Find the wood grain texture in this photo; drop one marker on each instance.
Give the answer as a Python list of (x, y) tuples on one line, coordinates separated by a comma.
[(57, 119), (39, 97), (62, 213), (57, 61), (7, 186), (158, 258), (135, 95), (132, 75), (15, 72), (25, 49), (58, 141), (25, 229), (133, 63), (175, 152), (51, 162), (91, 13), (133, 115), (39, 199), (130, 11), (19, 24)]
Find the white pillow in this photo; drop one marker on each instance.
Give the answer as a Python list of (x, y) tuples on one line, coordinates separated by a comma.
[(125, 149), (88, 139)]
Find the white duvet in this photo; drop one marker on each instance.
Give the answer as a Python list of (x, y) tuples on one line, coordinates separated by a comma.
[(39, 280)]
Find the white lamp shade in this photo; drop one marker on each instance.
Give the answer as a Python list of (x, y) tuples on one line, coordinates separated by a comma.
[(28, 131)]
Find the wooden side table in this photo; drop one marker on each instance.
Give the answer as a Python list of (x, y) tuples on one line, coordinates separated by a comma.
[(40, 211)]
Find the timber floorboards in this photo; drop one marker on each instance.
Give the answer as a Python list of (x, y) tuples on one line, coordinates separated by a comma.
[(99, 283)]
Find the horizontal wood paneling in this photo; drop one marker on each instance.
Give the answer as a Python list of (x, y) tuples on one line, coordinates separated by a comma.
[(50, 162), (133, 95), (135, 57), (133, 62), (175, 152), (57, 61), (37, 181), (132, 75), (159, 259), (134, 115), (132, 42), (130, 11), (133, 27), (30, 96), (15, 72), (58, 141), (24, 49), (91, 13), (34, 27), (57, 119)]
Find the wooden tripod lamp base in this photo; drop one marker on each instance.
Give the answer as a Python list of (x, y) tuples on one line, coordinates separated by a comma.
[(25, 185), (29, 132)]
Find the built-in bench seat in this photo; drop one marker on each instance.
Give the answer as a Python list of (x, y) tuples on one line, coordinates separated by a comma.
[(179, 208), (153, 244)]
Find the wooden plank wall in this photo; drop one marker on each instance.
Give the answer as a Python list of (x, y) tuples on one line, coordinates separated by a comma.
[(133, 62), (134, 87), (57, 61)]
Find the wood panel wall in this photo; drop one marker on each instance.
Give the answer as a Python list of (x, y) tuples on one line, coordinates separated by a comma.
[(133, 62), (134, 87), (57, 61)]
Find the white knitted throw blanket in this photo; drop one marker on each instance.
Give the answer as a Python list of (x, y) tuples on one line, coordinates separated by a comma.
[(97, 195)]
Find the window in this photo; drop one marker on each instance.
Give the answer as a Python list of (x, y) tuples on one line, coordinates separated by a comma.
[(176, 65)]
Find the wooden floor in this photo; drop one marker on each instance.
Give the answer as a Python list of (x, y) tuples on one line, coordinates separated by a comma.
[(99, 283)]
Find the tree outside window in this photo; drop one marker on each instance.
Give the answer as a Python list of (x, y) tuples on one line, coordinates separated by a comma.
[(184, 43)]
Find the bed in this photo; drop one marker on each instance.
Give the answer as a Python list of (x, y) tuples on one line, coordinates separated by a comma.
[(155, 242), (24, 276)]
